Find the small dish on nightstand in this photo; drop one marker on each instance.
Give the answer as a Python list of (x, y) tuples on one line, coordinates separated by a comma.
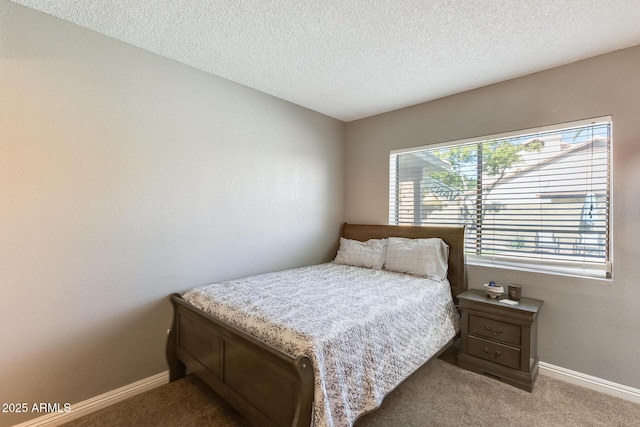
[(493, 291)]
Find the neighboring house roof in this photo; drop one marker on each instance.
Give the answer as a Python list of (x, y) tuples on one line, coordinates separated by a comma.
[(534, 162)]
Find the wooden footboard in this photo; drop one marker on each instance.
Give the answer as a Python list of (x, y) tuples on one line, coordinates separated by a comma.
[(267, 386)]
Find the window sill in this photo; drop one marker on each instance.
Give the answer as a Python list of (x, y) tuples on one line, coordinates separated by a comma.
[(581, 272)]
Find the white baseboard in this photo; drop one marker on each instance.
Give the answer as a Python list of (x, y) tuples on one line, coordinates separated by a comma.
[(593, 383), (95, 403)]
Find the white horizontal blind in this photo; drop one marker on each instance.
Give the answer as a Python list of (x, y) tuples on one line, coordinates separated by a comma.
[(538, 198)]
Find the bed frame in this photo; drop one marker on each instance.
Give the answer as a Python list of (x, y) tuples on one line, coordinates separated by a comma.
[(264, 384)]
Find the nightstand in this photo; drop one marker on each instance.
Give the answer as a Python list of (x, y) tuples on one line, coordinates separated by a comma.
[(499, 340)]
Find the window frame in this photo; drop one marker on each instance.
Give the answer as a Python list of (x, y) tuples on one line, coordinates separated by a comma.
[(582, 269)]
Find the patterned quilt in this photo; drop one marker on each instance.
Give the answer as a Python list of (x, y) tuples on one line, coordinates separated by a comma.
[(364, 330)]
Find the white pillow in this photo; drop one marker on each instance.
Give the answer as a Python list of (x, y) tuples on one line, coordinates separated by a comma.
[(369, 254), (419, 257)]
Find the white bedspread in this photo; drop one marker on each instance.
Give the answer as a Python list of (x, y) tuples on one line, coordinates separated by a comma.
[(364, 330)]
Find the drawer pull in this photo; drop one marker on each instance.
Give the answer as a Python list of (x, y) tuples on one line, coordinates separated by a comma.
[(497, 331), (494, 355)]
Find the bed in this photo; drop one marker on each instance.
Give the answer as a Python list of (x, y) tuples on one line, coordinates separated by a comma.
[(275, 375)]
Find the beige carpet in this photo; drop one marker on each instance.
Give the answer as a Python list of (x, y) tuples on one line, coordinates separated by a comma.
[(438, 394)]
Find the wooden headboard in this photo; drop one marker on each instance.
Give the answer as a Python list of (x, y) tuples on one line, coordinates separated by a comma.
[(452, 236)]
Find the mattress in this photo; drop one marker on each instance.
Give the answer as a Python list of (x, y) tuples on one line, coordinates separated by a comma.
[(364, 330)]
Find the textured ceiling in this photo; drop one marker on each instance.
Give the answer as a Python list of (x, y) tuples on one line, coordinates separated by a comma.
[(357, 58)]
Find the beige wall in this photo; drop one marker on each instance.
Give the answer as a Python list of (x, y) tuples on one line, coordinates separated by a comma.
[(124, 177), (590, 326)]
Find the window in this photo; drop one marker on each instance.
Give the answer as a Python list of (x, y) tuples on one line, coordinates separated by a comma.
[(535, 199)]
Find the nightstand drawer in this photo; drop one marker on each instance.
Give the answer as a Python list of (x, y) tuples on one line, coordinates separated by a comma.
[(494, 352), (494, 329)]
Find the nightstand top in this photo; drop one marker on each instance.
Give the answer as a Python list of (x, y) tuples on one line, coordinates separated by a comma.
[(478, 295)]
